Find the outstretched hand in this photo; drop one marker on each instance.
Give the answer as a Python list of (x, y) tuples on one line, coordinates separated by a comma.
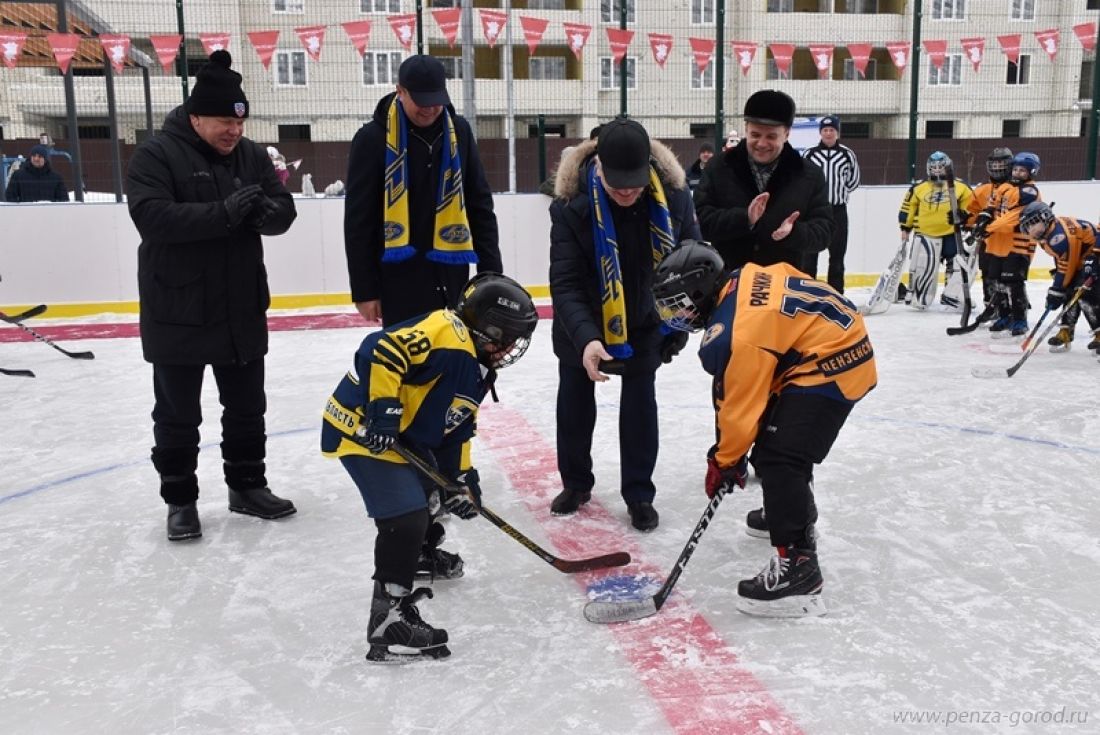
[(785, 227)]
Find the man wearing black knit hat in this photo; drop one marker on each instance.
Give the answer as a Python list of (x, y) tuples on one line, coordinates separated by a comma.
[(201, 195)]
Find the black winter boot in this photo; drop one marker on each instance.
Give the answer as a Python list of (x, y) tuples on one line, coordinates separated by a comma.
[(249, 494), (183, 522), (396, 622)]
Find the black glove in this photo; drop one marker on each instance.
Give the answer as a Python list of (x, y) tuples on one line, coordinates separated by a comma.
[(957, 217), (239, 204), (980, 223), (265, 207), (671, 344), (1055, 298), (1090, 268), (383, 424), (464, 503)]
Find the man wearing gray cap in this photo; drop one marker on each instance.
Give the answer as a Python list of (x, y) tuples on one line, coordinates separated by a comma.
[(838, 163)]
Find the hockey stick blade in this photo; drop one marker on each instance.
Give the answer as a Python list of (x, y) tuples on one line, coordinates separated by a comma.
[(87, 355), (606, 561), (619, 612), (28, 314), (990, 373), (17, 373)]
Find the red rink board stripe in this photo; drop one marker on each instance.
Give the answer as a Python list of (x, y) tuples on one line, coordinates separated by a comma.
[(688, 669)]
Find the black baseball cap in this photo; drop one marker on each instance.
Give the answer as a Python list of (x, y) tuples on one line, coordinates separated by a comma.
[(424, 78), (623, 148), (770, 107)]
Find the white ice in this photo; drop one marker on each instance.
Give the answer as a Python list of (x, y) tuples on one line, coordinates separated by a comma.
[(959, 542)]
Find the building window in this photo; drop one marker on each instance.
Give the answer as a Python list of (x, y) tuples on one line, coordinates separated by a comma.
[(948, 9), (857, 129), (380, 68), (1023, 9), (546, 67), (948, 74), (851, 75), (701, 130), (1084, 87), (544, 5), (1011, 128), (290, 69), (939, 129), (861, 6), (702, 12), (610, 73), (379, 6), (288, 6), (550, 130), (1020, 72), (771, 69), (609, 11), (702, 79), (780, 6), (452, 66), (302, 132), (1092, 5)]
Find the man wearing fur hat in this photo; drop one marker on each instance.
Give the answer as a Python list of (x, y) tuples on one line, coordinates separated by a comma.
[(760, 202), (201, 195), (621, 204), (35, 181)]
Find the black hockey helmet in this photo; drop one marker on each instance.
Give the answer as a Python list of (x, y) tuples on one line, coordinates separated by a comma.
[(998, 164), (501, 316), (686, 285), (938, 166), (1034, 214)]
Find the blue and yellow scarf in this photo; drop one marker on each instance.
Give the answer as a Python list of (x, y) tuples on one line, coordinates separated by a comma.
[(607, 253), (451, 243)]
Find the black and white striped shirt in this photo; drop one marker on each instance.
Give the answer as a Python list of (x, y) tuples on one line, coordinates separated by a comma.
[(840, 168)]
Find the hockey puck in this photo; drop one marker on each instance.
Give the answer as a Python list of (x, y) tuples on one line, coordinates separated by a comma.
[(621, 587)]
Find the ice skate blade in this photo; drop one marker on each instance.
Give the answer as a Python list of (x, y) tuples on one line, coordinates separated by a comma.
[(266, 516), (383, 654), (795, 606), (757, 533)]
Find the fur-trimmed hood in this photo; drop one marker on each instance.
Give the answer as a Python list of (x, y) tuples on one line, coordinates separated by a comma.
[(569, 179)]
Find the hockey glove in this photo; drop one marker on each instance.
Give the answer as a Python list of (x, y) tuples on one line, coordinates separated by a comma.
[(671, 344), (980, 223), (1056, 297), (1090, 269), (240, 203), (383, 424), (725, 478), (464, 504), (264, 208), (958, 217)]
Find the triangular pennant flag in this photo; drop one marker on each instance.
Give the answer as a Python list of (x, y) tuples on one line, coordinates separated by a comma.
[(744, 52), (533, 28), (1010, 44), (702, 49), (822, 54), (167, 48), (661, 46), (975, 50), (448, 19), (861, 54), (264, 43), (11, 45), (1049, 39), (212, 42), (492, 25), (1086, 34), (576, 35), (899, 53), (937, 52), (117, 48), (63, 46), (312, 39), (620, 39), (782, 53), (404, 27), (359, 33)]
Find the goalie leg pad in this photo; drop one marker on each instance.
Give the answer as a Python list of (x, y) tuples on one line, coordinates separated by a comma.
[(923, 270)]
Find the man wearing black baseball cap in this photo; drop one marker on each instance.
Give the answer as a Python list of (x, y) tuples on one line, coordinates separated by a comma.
[(424, 79)]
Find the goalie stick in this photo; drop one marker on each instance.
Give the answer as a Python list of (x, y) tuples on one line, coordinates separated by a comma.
[(964, 262), (569, 566), (599, 611), (17, 321), (886, 288)]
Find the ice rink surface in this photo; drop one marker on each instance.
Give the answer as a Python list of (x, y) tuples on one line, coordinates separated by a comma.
[(959, 543)]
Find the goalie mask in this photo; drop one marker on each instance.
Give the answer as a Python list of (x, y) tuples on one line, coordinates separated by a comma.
[(999, 165), (1035, 215), (686, 285), (938, 166), (500, 315)]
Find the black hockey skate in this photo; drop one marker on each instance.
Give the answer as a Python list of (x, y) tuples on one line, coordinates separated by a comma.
[(789, 587), (397, 633), (435, 563), (756, 524)]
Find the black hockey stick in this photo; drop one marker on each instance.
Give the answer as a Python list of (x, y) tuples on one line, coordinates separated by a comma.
[(620, 612), (29, 313), (17, 373), (75, 355), (569, 566)]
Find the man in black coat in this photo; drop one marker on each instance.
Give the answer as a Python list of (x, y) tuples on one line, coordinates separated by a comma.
[(390, 284), (201, 195), (760, 202), (35, 181), (634, 192)]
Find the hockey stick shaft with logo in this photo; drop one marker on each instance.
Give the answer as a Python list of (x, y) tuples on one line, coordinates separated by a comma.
[(17, 321), (961, 259)]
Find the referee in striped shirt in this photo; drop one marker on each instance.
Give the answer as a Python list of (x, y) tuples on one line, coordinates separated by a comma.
[(841, 170)]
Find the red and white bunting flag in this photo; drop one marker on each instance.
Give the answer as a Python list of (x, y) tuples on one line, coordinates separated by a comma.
[(1086, 34), (11, 45), (167, 48), (576, 35), (404, 27), (448, 19), (1049, 40), (117, 48), (63, 46), (661, 46), (533, 28), (937, 51), (1010, 44), (861, 54), (975, 50), (744, 52), (782, 53), (822, 54), (620, 39), (899, 53), (212, 42), (359, 33), (312, 39), (492, 25), (264, 43), (702, 49)]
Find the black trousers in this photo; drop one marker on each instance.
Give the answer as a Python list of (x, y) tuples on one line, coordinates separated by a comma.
[(576, 417), (838, 246), (797, 433)]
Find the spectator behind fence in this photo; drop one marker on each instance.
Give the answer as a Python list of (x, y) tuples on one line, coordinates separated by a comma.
[(35, 181), (695, 173)]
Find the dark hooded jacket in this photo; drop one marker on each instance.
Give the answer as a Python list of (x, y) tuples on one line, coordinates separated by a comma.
[(202, 286), (32, 184), (574, 274), (728, 186), (417, 285)]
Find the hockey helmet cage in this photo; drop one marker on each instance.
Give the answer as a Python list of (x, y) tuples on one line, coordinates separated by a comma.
[(1034, 214), (999, 164), (500, 315), (938, 166), (686, 285)]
